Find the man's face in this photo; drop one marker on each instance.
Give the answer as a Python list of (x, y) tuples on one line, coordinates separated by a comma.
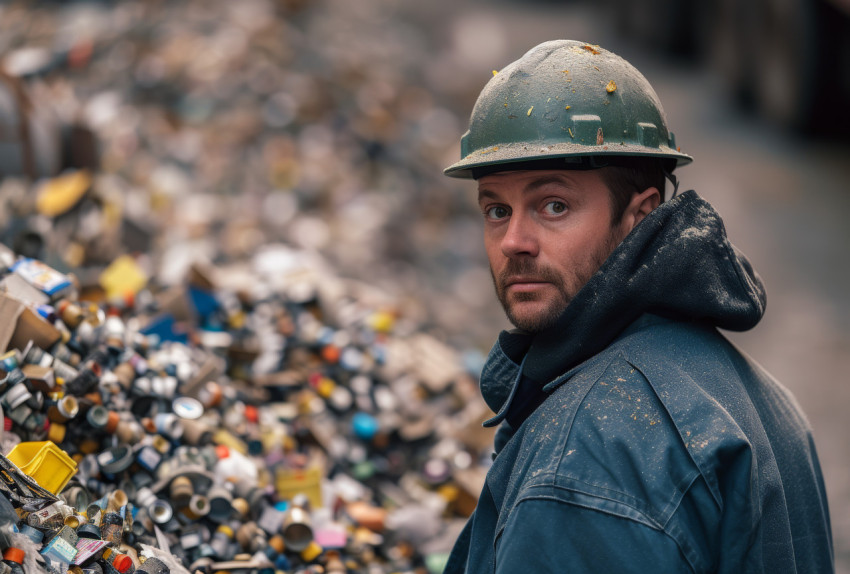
[(546, 233)]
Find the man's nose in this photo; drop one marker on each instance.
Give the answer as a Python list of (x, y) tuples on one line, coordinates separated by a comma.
[(520, 237)]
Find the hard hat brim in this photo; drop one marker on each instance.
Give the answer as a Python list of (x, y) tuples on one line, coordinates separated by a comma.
[(523, 152)]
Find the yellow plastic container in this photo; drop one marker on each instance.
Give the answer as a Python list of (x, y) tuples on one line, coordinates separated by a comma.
[(308, 481), (49, 465)]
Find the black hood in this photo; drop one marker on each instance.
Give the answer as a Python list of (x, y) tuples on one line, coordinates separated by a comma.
[(677, 263)]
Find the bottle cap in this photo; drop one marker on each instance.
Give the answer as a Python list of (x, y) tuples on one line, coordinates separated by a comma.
[(122, 563), (14, 555)]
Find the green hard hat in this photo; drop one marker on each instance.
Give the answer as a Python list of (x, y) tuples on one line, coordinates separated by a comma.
[(565, 99)]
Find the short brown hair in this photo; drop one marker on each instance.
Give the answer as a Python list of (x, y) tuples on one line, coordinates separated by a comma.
[(627, 176)]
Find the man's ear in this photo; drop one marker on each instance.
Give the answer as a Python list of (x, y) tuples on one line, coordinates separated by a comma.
[(640, 206)]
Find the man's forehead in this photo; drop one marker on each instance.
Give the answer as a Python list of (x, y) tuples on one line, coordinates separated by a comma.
[(532, 178)]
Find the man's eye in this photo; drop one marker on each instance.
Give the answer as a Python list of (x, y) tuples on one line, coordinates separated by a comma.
[(496, 212), (555, 207)]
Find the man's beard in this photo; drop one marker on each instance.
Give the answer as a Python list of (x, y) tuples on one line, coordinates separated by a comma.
[(565, 290)]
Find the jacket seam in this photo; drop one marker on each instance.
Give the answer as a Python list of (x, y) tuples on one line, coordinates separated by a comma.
[(714, 495), (549, 479), (569, 431), (652, 524), (527, 494)]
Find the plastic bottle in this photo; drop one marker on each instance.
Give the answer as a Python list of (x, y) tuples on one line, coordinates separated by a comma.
[(121, 562), (14, 558)]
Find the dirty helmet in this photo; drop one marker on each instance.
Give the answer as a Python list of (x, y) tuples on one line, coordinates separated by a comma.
[(566, 104)]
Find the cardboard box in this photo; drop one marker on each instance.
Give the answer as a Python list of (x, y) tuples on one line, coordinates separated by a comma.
[(19, 325)]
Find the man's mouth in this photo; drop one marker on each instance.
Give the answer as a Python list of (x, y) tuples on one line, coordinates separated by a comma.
[(524, 283)]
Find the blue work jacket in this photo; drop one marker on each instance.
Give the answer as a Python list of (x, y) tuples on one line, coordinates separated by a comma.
[(647, 442)]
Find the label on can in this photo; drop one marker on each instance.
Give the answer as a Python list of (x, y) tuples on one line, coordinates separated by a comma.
[(87, 548)]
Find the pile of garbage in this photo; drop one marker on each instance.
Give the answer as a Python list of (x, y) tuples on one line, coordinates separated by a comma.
[(233, 289), (206, 129), (264, 418)]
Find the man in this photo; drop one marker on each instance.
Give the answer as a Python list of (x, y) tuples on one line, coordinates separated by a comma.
[(634, 437)]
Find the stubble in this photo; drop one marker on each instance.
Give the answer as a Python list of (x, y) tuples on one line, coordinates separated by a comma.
[(566, 286)]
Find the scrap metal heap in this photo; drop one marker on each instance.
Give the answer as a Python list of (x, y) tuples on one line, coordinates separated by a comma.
[(285, 424), (203, 368)]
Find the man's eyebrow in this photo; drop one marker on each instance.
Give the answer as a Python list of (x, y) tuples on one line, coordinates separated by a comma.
[(533, 185), (486, 194)]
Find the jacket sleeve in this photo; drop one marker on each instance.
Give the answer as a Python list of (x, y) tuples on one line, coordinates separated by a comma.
[(545, 535)]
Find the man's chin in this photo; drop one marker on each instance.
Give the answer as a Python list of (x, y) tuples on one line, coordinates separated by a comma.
[(533, 316)]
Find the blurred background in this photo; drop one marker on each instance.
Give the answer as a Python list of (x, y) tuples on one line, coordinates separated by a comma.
[(180, 132)]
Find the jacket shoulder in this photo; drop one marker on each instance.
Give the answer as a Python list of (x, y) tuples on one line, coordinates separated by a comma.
[(621, 445), (703, 384)]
